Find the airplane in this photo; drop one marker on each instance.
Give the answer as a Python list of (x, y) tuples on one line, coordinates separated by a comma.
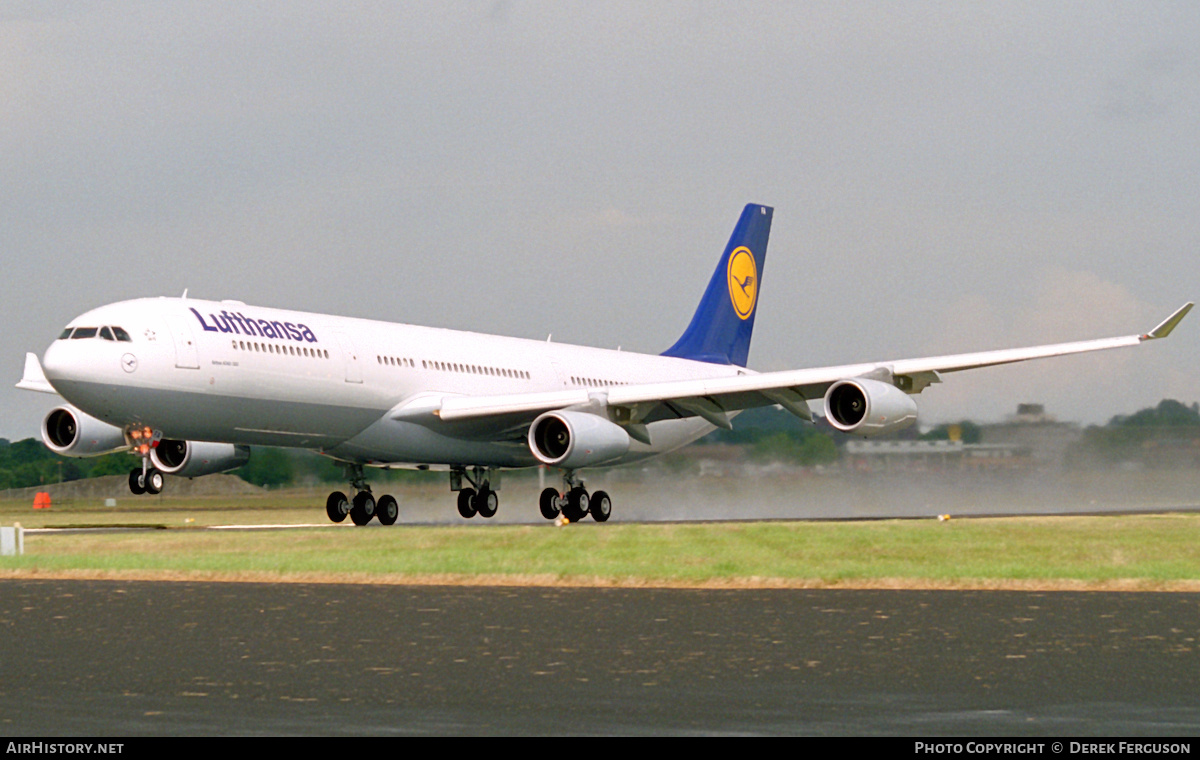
[(190, 384)]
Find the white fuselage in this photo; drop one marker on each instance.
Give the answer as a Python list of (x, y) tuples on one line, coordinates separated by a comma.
[(228, 372)]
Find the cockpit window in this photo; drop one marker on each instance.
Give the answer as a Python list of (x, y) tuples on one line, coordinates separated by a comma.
[(107, 333)]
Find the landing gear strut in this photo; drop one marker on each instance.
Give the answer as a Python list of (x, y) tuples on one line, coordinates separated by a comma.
[(363, 506), (481, 500), (574, 502)]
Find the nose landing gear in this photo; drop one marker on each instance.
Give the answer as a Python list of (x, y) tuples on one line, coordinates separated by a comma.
[(145, 479)]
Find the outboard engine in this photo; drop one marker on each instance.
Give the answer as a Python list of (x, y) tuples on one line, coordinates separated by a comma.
[(72, 433), (868, 407)]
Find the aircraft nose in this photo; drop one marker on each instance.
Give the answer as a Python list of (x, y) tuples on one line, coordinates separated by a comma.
[(55, 362), (61, 362)]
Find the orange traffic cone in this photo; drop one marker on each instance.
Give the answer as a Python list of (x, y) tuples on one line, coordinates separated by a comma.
[(41, 500)]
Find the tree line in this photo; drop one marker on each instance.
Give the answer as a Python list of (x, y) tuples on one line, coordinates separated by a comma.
[(1166, 435)]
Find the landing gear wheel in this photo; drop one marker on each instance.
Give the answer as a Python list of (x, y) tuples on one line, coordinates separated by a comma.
[(466, 503), (600, 506), (577, 504), (337, 506), (136, 485), (363, 509), (486, 502), (548, 503), (387, 510), (154, 481)]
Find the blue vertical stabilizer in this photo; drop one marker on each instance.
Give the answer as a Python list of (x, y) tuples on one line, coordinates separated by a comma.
[(720, 329)]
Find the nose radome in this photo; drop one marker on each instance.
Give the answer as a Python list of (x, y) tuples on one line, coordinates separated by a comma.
[(55, 363), (64, 361)]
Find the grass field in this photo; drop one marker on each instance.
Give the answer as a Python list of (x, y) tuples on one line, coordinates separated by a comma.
[(1154, 552)]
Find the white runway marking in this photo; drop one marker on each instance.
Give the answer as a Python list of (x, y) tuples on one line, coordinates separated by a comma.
[(160, 526)]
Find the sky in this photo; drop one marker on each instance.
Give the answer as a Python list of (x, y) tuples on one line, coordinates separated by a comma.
[(946, 176)]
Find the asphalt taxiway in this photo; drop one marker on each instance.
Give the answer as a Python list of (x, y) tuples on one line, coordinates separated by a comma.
[(127, 658)]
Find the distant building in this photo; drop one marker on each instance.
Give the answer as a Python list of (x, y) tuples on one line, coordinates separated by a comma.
[(1032, 413), (1031, 439), (933, 456), (1044, 438)]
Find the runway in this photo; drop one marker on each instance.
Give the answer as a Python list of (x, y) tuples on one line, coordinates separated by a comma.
[(121, 658)]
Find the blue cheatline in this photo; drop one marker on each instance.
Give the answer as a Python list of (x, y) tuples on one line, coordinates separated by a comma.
[(720, 329)]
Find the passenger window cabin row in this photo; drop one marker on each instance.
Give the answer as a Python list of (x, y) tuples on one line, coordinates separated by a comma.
[(285, 350), (594, 383), (478, 369), (466, 369)]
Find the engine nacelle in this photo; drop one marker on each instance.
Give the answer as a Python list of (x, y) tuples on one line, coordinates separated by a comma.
[(70, 432), (191, 459), (576, 439), (868, 407)]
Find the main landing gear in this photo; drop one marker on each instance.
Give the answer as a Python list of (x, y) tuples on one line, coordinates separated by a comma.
[(477, 489), (363, 506), (573, 502), (481, 500)]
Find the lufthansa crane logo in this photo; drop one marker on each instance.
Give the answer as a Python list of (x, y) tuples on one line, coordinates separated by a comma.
[(743, 281)]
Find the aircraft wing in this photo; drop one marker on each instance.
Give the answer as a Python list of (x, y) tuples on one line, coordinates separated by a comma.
[(714, 398)]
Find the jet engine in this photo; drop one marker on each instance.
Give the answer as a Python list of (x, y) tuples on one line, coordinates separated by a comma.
[(576, 439), (191, 459), (868, 407), (70, 432)]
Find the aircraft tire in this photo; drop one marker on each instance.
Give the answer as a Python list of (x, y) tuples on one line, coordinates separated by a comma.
[(363, 509), (577, 504), (466, 503), (387, 510), (486, 503), (600, 506), (136, 486), (337, 506), (548, 503), (155, 481)]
